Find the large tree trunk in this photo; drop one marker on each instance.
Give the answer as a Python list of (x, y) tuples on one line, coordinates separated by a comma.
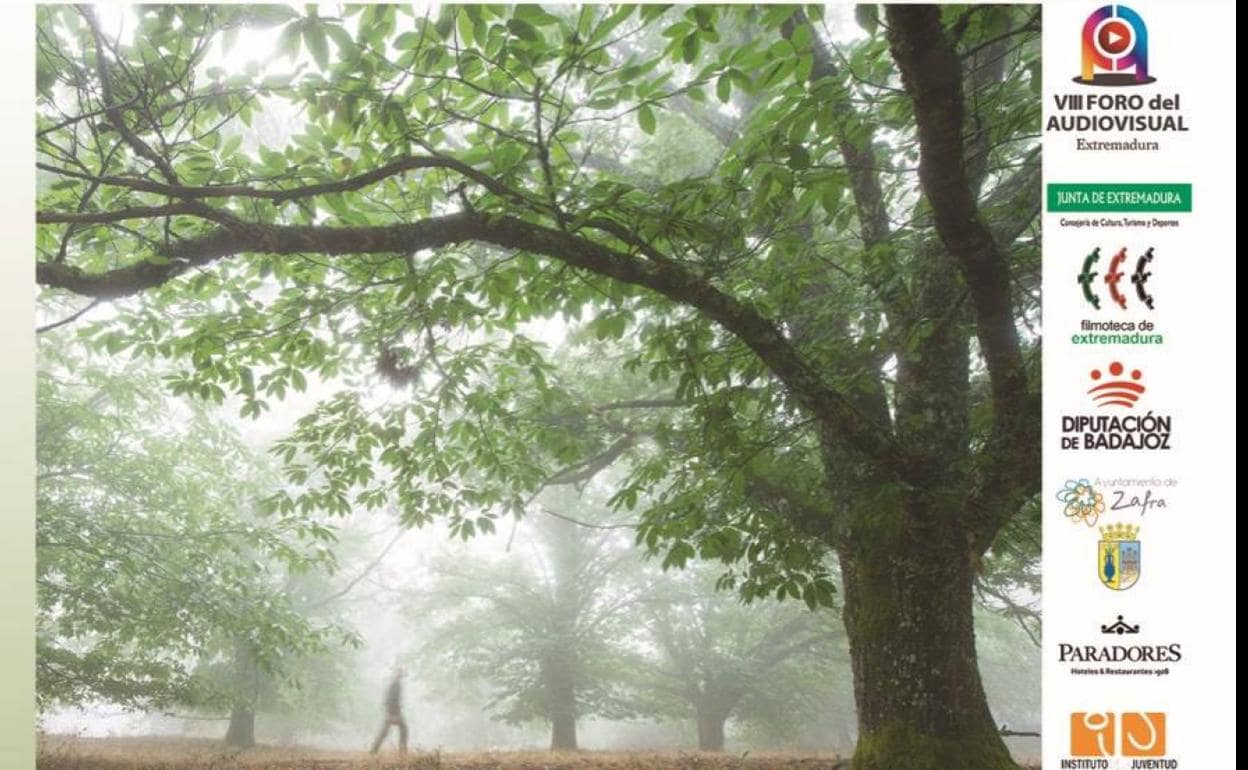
[(563, 732), (242, 732), (908, 612), (560, 701), (711, 730)]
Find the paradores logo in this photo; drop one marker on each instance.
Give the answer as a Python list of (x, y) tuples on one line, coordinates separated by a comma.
[(1115, 48), (1119, 627), (1123, 654), (1116, 388)]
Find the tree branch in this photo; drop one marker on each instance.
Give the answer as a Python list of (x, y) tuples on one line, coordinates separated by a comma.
[(116, 215), (668, 278), (640, 403), (589, 524), (368, 568), (859, 156), (587, 469), (114, 114), (393, 168), (69, 319), (932, 75)]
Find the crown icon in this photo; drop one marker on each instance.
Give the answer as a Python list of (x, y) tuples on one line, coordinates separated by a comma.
[(1120, 628), (1119, 532)]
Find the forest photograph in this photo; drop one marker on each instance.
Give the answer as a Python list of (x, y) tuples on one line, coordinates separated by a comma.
[(538, 386)]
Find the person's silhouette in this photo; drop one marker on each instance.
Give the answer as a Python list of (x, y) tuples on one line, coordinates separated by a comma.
[(394, 712)]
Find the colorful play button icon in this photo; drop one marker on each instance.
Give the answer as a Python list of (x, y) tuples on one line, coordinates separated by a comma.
[(1114, 47), (1114, 38)]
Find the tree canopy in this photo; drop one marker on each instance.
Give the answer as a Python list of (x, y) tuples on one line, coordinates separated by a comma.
[(782, 272), (149, 567)]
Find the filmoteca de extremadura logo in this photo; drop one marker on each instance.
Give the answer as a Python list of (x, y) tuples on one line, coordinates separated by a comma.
[(1118, 299), (1116, 420), (1116, 279)]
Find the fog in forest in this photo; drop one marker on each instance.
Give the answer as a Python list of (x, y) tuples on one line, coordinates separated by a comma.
[(464, 619), (535, 379), (472, 620)]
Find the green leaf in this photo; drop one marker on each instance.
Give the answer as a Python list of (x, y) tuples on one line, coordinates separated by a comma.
[(690, 47), (465, 27), (270, 15), (318, 44), (645, 118), (342, 39), (608, 25), (868, 17), (407, 41), (289, 41), (535, 15), (523, 30), (801, 36), (799, 157)]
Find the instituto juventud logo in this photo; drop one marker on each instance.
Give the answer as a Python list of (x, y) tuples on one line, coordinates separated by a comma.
[(1129, 734), (1115, 48), (1118, 556)]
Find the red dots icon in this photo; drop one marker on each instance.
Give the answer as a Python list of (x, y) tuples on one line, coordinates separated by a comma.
[(1118, 391)]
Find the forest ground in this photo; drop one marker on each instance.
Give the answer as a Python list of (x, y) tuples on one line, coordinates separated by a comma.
[(66, 753)]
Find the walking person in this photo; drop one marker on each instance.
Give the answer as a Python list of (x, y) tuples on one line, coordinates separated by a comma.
[(394, 712)]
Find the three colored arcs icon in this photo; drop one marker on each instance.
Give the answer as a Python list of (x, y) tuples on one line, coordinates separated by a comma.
[(1113, 278)]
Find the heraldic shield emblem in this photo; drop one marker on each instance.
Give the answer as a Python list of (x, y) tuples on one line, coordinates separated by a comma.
[(1118, 556)]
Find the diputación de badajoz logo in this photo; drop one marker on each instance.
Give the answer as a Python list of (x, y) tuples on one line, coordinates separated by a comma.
[(1115, 48), (1115, 392)]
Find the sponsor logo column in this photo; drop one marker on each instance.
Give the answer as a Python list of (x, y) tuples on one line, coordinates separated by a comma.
[(1116, 229)]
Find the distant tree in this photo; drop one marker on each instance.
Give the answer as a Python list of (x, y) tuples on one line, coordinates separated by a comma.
[(304, 687), (151, 563), (546, 627), (717, 659)]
